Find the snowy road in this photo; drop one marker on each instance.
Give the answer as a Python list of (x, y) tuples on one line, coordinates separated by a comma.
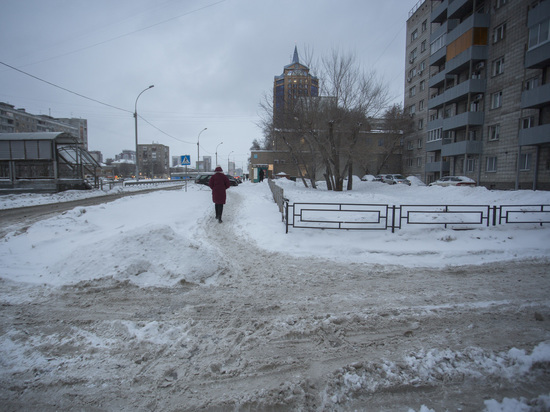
[(269, 331)]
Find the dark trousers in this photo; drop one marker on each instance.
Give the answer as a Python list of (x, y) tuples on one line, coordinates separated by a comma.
[(219, 210)]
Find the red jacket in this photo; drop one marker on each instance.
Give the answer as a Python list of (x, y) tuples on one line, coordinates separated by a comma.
[(219, 183)]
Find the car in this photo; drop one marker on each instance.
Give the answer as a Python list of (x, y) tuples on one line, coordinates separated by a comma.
[(394, 178), (371, 178), (204, 178), (454, 181)]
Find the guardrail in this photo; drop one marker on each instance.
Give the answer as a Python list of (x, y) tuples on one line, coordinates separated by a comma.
[(356, 216)]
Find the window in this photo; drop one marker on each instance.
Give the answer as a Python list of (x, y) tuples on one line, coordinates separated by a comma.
[(421, 105), (438, 43), (410, 145), (422, 66), (531, 83), (527, 122), (498, 66), (499, 33), (470, 165), (420, 124), (412, 109), (413, 55), (412, 91), (525, 161), (434, 135), (422, 85), (419, 143), (538, 34), (494, 132), (414, 35), (423, 46), (496, 100), (491, 164), (409, 162), (424, 26), (418, 161)]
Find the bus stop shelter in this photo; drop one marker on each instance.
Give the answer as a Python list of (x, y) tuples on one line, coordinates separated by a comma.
[(44, 162)]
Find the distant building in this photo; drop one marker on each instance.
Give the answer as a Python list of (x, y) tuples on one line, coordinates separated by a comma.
[(128, 156), (295, 82), (476, 83), (154, 160), (96, 155), (14, 120)]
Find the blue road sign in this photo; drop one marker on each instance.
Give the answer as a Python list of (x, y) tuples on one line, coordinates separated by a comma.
[(186, 160)]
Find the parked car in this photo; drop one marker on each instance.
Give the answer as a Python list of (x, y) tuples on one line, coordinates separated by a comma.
[(204, 178), (371, 178), (393, 179), (454, 181)]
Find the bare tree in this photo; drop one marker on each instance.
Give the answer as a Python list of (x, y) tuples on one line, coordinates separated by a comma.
[(321, 133)]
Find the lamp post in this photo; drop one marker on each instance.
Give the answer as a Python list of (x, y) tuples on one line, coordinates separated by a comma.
[(228, 160), (217, 153), (136, 123), (198, 137)]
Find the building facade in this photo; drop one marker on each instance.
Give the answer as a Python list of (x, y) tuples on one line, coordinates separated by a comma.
[(294, 83), (14, 120), (476, 85), (154, 160)]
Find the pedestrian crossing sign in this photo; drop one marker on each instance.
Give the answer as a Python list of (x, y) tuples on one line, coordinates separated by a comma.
[(185, 160)]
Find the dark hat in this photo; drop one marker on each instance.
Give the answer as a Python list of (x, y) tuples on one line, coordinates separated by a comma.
[(218, 169)]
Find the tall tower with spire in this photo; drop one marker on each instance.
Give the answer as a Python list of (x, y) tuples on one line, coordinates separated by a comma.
[(295, 82)]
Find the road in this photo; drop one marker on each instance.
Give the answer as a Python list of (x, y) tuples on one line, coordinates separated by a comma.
[(274, 332)]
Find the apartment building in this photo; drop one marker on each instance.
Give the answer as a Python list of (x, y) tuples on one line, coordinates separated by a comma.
[(477, 87), (14, 120), (154, 160)]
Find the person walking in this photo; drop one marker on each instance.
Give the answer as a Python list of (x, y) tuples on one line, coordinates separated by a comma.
[(219, 183)]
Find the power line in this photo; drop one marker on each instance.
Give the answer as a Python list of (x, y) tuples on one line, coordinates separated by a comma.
[(63, 88), (127, 34)]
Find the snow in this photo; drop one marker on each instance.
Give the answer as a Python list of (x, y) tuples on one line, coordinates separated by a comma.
[(158, 240)]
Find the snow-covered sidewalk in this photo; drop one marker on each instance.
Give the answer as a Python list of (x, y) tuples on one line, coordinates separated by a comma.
[(148, 303)]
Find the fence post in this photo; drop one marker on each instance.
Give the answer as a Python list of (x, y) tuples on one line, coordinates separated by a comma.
[(393, 219), (495, 216), (286, 214)]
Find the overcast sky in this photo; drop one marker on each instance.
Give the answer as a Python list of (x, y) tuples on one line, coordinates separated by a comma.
[(211, 62)]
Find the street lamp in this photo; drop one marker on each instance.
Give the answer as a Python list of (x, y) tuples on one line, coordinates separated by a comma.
[(136, 122), (198, 137), (228, 160), (217, 153)]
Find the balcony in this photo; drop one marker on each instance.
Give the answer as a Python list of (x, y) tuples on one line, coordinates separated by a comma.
[(539, 57), (536, 98), (434, 146), (459, 63), (475, 20), (462, 120), (438, 57), (458, 92), (437, 79), (432, 167), (459, 7), (439, 14), (435, 124), (462, 148), (534, 135)]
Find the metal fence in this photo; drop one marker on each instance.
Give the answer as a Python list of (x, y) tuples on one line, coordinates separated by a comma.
[(359, 216), (356, 216)]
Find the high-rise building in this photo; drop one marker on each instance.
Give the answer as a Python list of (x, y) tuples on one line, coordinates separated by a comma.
[(476, 84), (295, 82)]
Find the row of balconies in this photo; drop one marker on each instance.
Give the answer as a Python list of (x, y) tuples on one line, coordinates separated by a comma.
[(450, 148), (459, 92), (460, 121)]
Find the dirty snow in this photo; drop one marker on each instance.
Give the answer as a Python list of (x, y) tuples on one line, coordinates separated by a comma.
[(148, 303)]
